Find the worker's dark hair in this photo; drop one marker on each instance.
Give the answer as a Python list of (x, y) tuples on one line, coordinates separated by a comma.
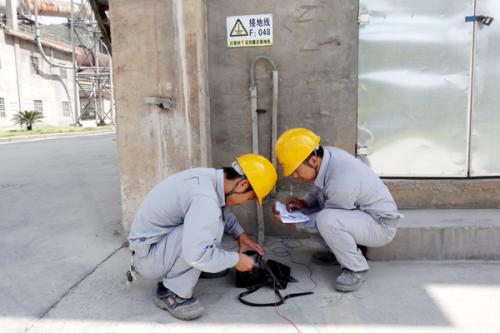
[(231, 174), (317, 152)]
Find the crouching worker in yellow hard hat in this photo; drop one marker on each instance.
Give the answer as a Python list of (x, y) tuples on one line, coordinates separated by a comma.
[(177, 231), (348, 203)]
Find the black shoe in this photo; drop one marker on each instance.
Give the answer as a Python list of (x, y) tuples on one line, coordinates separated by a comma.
[(324, 258), (180, 308), (363, 249), (327, 258)]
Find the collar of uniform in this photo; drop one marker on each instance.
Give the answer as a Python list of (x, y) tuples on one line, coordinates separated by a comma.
[(219, 186), (325, 161)]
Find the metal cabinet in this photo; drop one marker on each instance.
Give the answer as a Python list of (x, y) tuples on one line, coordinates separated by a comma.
[(428, 99)]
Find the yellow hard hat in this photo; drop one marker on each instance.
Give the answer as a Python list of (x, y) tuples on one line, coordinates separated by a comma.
[(293, 146), (260, 173)]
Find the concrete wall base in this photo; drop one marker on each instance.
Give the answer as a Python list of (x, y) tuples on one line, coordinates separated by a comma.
[(441, 234), (445, 193)]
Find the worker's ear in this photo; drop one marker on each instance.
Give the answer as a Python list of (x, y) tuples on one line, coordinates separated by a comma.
[(243, 185), (314, 160)]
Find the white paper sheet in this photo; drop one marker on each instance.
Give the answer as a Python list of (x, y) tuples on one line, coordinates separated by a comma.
[(290, 217)]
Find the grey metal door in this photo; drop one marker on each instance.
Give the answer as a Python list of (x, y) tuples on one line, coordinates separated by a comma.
[(485, 117), (415, 96)]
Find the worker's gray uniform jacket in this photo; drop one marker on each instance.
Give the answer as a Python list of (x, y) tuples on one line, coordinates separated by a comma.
[(343, 182), (191, 199), (349, 205)]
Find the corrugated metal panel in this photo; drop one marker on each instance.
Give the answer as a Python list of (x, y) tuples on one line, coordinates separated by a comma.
[(413, 97), (485, 128)]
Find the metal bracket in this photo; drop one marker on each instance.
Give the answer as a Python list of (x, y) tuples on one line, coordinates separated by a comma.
[(167, 103), (363, 19), (486, 20), (362, 151)]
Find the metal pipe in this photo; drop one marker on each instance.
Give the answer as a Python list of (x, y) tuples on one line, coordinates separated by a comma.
[(46, 7), (252, 67), (274, 119), (39, 46), (255, 129), (44, 56), (253, 97), (55, 8), (255, 149)]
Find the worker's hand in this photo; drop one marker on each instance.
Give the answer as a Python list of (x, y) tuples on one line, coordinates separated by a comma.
[(245, 264), (294, 203), (277, 217), (245, 242)]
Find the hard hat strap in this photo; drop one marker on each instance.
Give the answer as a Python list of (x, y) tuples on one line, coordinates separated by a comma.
[(308, 164)]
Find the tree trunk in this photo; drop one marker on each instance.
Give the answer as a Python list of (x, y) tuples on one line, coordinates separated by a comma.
[(29, 127)]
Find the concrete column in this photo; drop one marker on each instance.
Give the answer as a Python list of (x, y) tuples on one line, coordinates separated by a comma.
[(160, 50)]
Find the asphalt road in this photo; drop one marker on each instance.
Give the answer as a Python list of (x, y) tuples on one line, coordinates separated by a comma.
[(60, 217)]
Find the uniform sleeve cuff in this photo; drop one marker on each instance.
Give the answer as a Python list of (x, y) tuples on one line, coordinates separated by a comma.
[(235, 257), (238, 230), (309, 202)]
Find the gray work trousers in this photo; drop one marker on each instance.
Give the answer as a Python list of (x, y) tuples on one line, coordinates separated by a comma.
[(343, 229), (164, 259)]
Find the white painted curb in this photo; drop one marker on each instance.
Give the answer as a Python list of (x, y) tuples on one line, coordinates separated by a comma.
[(42, 137)]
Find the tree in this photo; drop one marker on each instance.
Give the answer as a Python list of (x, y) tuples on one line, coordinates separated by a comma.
[(27, 117)]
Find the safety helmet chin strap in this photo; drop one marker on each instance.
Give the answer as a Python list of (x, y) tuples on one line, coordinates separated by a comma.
[(308, 164), (238, 169)]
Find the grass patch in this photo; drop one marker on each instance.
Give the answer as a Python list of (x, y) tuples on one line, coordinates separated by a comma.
[(52, 130)]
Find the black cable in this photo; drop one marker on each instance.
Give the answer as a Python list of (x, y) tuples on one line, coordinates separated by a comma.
[(286, 251), (276, 282)]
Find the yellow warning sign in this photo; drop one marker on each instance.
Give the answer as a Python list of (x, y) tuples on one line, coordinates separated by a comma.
[(238, 30), (249, 30)]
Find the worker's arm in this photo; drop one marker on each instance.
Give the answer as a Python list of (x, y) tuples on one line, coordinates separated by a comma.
[(310, 198), (231, 225), (341, 196), (199, 240), (233, 228)]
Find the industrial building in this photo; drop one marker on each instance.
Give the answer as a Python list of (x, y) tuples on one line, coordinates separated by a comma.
[(40, 76), (29, 83)]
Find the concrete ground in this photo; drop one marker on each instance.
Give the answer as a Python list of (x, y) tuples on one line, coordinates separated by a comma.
[(63, 266)]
